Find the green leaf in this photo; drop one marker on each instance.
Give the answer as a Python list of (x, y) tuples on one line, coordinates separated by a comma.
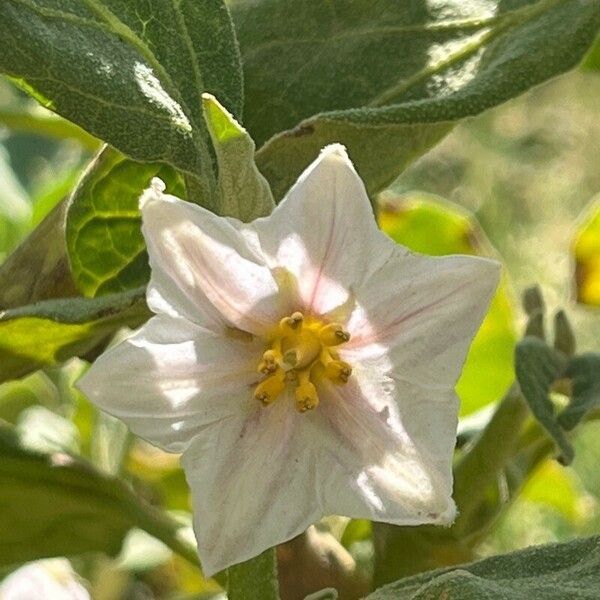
[(389, 80), (564, 338), (16, 396), (430, 225), (545, 573), (592, 60), (130, 72), (255, 578), (55, 505), (87, 511), (39, 121), (537, 367), (15, 207), (107, 251), (50, 332), (584, 371), (245, 193), (38, 268)]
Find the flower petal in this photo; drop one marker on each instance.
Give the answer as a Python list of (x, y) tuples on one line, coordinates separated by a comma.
[(387, 449), (423, 312), (172, 379), (206, 268), (324, 232), (253, 484)]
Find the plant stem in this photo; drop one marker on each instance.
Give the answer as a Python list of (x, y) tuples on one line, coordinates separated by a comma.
[(489, 454), (255, 578)]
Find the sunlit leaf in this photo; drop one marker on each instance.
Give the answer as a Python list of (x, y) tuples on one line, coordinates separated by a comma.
[(50, 332), (429, 225), (244, 192), (130, 72), (388, 80), (107, 251)]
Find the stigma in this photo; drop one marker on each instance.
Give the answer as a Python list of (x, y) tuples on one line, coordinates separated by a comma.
[(301, 351)]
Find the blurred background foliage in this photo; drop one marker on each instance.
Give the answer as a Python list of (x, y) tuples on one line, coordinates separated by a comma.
[(517, 182)]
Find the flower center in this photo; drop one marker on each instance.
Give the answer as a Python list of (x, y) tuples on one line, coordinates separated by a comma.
[(302, 350)]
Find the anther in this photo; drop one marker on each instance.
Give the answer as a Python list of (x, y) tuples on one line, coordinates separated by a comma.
[(333, 335), (293, 322), (306, 397), (267, 391), (338, 371)]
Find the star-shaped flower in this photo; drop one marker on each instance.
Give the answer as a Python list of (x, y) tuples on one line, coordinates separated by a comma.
[(304, 364)]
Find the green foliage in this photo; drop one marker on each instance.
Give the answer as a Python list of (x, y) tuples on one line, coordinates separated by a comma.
[(36, 120), (544, 573), (106, 248), (45, 247), (537, 367), (129, 72), (55, 506), (584, 372), (388, 81), (427, 224), (50, 332), (15, 210), (244, 192)]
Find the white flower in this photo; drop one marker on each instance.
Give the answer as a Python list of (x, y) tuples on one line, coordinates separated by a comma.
[(303, 363), (51, 579)]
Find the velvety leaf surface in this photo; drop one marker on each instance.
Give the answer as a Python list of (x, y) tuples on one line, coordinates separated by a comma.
[(347, 72), (244, 192), (53, 506), (50, 332), (586, 250), (552, 572), (584, 372), (429, 225), (130, 72), (106, 248), (537, 367)]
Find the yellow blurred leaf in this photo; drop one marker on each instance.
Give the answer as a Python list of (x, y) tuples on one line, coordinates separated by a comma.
[(586, 251)]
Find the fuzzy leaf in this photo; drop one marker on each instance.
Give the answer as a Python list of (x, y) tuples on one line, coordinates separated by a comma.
[(537, 367), (584, 370), (545, 573), (245, 193), (389, 79), (130, 72)]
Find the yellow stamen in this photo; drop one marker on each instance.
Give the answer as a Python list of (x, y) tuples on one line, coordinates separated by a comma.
[(268, 390), (302, 349), (306, 394), (338, 371), (333, 335), (293, 322)]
